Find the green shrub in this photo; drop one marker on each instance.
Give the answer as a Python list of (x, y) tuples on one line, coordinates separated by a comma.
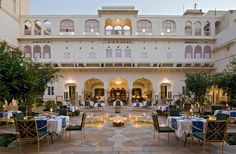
[(6, 139), (50, 104), (159, 112), (77, 113)]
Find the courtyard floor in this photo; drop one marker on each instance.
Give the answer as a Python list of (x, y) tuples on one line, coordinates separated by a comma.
[(107, 139)]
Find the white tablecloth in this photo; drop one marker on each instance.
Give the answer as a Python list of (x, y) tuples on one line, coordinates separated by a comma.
[(72, 108), (163, 107), (183, 125), (55, 124)]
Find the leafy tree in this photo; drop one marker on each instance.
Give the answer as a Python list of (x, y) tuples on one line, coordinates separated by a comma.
[(226, 80), (22, 79), (198, 85)]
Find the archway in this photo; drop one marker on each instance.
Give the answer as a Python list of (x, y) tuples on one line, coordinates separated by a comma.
[(94, 89), (142, 89), (118, 89)]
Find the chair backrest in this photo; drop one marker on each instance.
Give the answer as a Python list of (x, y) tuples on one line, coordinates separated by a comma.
[(19, 116), (172, 107), (197, 126), (221, 116), (83, 120), (215, 107), (155, 122), (215, 130), (23, 109), (27, 129), (174, 112), (233, 114)]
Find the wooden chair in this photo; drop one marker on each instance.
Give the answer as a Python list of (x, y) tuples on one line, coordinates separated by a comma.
[(27, 130), (78, 127), (159, 129), (215, 131)]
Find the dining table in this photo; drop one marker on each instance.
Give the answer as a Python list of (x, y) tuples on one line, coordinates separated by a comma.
[(185, 125), (55, 124)]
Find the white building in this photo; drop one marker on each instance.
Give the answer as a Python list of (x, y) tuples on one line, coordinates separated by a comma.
[(119, 53)]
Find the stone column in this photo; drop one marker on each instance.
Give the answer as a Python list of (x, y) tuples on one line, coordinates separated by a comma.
[(202, 29), (106, 84), (213, 29), (130, 87)]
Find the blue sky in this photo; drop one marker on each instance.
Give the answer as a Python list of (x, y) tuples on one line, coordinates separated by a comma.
[(156, 7)]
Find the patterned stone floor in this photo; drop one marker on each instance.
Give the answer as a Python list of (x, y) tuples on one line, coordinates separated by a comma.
[(106, 139)]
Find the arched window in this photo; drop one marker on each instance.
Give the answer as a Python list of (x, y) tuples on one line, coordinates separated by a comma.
[(37, 27), (207, 52), (92, 25), (188, 28), (188, 52), (27, 51), (27, 27), (127, 27), (47, 26), (46, 51), (108, 27), (168, 26), (197, 28), (198, 52), (144, 26), (207, 28), (117, 27), (67, 25), (37, 51)]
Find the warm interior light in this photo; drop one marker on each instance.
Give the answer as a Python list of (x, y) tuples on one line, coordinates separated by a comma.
[(165, 81)]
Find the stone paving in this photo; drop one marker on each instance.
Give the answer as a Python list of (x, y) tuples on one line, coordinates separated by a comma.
[(106, 139)]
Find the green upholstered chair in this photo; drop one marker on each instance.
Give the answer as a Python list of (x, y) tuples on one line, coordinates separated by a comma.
[(215, 107), (78, 127), (215, 131), (27, 130), (174, 112), (159, 129), (172, 107), (19, 116), (221, 116)]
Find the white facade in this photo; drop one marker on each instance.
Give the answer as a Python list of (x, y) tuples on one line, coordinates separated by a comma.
[(120, 50)]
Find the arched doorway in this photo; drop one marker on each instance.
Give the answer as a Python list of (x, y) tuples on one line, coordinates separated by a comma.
[(70, 93), (166, 92), (118, 89), (142, 89), (94, 89)]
